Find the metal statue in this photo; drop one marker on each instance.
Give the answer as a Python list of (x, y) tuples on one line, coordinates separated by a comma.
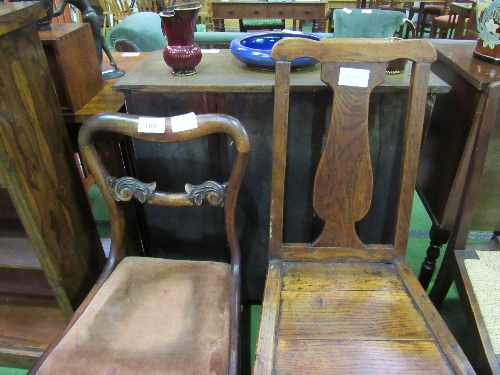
[(90, 16)]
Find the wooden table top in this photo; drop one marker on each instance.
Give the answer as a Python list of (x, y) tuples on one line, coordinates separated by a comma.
[(222, 72), (106, 100), (456, 6), (458, 55)]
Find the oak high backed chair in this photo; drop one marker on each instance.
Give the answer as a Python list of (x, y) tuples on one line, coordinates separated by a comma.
[(117, 9), (150, 315), (429, 10), (475, 268), (337, 305)]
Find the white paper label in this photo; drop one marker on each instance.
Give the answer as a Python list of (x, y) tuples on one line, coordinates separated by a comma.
[(151, 125), (184, 122), (348, 11), (210, 50), (366, 11), (130, 54), (354, 77)]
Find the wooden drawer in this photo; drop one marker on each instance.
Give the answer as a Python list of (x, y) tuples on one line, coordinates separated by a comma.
[(306, 11), (241, 10), (280, 11)]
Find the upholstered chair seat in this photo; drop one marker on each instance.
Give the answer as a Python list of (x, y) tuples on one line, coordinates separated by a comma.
[(144, 321)]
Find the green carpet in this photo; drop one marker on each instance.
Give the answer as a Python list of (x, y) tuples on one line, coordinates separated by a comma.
[(417, 245)]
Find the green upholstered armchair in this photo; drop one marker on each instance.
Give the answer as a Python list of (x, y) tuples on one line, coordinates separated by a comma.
[(141, 32), (366, 23)]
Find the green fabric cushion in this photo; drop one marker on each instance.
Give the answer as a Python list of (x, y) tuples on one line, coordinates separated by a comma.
[(358, 24), (141, 30), (261, 22)]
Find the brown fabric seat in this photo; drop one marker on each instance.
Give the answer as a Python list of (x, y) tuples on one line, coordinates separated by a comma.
[(150, 304), (152, 316)]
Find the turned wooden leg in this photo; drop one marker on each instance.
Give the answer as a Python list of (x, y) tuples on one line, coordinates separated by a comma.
[(219, 24), (438, 237), (444, 278)]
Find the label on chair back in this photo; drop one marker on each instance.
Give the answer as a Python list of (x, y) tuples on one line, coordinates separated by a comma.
[(184, 122), (151, 125), (354, 77)]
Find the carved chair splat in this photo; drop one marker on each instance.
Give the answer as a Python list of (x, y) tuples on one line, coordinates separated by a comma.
[(335, 304), (151, 315)]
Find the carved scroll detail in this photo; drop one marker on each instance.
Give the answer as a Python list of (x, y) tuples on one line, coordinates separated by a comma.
[(125, 188), (214, 192)]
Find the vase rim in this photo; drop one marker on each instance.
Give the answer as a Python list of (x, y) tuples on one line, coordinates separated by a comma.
[(177, 7)]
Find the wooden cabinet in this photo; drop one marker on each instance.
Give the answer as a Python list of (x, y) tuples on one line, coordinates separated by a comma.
[(70, 52), (51, 256)]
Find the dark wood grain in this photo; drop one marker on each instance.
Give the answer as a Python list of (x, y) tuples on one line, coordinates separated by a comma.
[(260, 9), (447, 148), (39, 172), (28, 325), (70, 52)]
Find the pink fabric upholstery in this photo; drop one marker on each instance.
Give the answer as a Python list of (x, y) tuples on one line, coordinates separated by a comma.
[(153, 316)]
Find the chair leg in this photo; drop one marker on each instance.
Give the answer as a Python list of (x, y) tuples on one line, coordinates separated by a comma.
[(105, 26), (411, 13), (438, 237), (444, 278)]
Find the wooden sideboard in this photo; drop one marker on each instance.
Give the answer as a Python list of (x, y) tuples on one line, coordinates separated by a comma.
[(224, 84), (51, 256), (295, 10), (446, 149)]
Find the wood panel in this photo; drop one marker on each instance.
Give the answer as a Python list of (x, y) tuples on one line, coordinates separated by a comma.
[(38, 168), (70, 52), (356, 301), (315, 277), (359, 357), (28, 325)]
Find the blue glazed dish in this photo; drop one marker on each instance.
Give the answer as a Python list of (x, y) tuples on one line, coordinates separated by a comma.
[(255, 50)]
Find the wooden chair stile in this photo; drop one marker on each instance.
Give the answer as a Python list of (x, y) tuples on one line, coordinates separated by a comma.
[(335, 304), (154, 315)]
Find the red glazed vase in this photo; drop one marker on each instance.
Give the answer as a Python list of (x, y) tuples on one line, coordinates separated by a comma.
[(178, 24)]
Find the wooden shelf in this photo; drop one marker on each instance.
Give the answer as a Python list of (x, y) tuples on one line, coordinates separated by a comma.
[(17, 252), (28, 324)]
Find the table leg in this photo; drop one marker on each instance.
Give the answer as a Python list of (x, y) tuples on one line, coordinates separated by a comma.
[(460, 27), (315, 26), (219, 24), (421, 20)]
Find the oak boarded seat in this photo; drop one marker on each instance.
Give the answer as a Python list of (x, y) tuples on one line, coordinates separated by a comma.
[(337, 305)]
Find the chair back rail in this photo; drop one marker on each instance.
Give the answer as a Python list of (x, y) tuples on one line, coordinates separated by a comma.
[(116, 190), (344, 178)]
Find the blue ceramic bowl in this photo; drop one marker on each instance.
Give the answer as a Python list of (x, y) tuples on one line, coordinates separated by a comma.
[(255, 50)]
